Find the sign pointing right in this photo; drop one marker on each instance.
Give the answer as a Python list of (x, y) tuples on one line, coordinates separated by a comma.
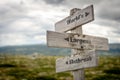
[(86, 14), (79, 18)]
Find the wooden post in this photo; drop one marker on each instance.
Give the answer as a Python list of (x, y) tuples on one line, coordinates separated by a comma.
[(77, 74)]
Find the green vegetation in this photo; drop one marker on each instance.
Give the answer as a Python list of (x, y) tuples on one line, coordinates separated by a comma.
[(108, 69), (21, 67)]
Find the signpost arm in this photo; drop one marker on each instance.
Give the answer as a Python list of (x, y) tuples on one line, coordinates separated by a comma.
[(77, 74)]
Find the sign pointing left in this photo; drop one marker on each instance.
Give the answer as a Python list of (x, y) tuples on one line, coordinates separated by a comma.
[(88, 59), (76, 41)]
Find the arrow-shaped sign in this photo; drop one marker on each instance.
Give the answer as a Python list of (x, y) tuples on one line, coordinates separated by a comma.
[(70, 40), (87, 60), (79, 18)]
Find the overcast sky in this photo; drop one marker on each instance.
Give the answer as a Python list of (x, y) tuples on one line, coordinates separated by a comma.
[(26, 21)]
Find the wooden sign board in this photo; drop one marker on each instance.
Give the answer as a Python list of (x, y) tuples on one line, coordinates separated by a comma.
[(86, 60), (75, 41), (79, 18)]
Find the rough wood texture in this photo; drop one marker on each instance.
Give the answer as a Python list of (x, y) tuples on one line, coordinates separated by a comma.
[(76, 41), (79, 74), (78, 18), (85, 60)]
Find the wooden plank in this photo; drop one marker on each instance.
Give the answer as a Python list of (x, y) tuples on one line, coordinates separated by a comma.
[(79, 18), (86, 60), (76, 41)]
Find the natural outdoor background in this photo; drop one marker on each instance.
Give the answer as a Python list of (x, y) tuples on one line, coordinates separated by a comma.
[(23, 51), (37, 62)]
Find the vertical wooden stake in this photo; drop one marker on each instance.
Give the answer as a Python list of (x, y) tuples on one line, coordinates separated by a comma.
[(77, 74)]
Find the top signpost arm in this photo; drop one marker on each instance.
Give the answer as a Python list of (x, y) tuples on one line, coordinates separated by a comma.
[(80, 17)]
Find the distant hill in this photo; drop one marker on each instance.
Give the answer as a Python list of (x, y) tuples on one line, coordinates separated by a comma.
[(30, 49), (43, 49)]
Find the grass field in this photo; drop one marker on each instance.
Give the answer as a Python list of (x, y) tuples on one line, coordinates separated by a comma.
[(21, 67)]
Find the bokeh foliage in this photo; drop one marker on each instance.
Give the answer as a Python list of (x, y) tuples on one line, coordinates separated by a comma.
[(24, 67)]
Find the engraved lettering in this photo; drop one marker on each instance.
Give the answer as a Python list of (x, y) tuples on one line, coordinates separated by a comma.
[(76, 18), (80, 41), (78, 60)]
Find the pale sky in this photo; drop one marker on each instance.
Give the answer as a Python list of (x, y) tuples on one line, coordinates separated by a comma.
[(26, 21)]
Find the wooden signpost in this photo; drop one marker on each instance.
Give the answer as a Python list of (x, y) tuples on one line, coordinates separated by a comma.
[(83, 47), (78, 18), (86, 60), (76, 41)]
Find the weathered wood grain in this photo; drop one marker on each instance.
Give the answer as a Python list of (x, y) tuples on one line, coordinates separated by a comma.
[(79, 73), (76, 41), (79, 18), (85, 60)]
